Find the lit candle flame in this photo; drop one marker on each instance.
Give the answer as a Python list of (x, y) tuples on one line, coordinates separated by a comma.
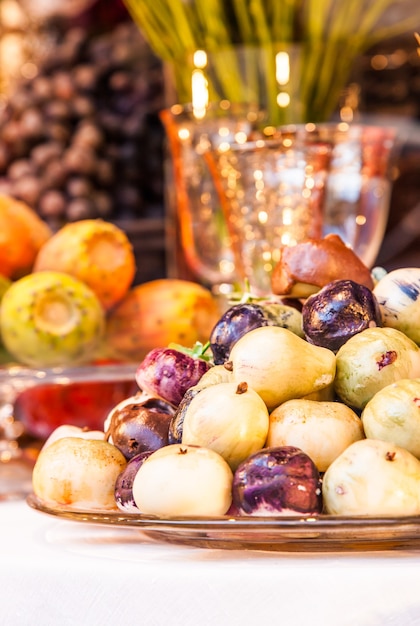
[(283, 77), (282, 68), (199, 85)]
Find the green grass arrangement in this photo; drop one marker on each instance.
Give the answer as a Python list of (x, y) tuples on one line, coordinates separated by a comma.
[(323, 36)]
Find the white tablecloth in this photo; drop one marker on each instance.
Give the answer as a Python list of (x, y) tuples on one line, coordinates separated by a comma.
[(62, 573)]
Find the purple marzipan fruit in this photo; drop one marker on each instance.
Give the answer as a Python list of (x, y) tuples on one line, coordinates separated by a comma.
[(124, 483), (169, 373), (277, 481)]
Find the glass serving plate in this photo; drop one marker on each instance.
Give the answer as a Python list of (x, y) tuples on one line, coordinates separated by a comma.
[(33, 402), (323, 533)]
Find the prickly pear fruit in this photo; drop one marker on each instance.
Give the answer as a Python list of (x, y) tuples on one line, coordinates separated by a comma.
[(5, 283), (4, 286), (96, 252), (22, 233), (49, 319), (160, 312)]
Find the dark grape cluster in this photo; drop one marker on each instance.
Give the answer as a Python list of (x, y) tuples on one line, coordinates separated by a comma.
[(82, 138)]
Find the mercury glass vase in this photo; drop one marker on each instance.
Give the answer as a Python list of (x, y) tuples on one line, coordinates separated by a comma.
[(304, 181)]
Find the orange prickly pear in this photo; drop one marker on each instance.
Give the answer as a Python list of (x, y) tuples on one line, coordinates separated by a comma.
[(96, 252), (22, 233), (160, 312)]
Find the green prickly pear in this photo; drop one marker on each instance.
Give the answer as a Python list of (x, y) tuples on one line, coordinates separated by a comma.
[(50, 319)]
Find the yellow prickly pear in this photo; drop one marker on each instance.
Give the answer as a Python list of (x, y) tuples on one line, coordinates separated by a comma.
[(50, 319)]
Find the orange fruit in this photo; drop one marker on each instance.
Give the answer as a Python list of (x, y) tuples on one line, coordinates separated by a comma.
[(96, 252), (22, 233), (160, 312)]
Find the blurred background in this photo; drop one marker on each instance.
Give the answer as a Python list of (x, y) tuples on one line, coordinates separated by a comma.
[(79, 74)]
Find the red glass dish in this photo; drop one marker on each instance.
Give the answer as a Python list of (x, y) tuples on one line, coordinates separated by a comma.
[(84, 404)]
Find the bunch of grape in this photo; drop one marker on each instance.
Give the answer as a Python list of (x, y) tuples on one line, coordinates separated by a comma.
[(82, 139)]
